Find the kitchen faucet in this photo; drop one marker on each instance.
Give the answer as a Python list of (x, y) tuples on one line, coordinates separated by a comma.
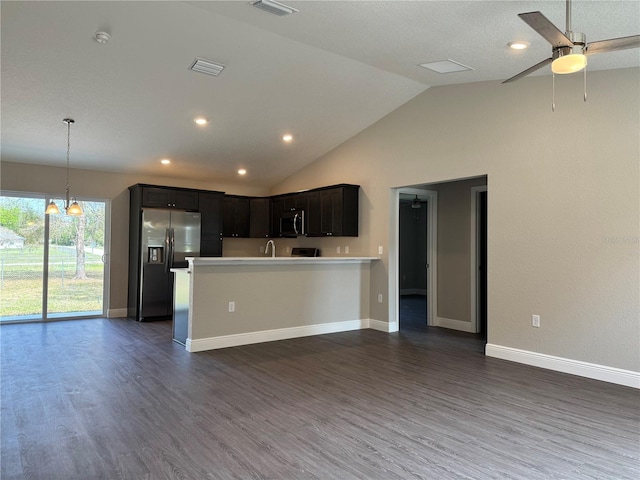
[(273, 249)]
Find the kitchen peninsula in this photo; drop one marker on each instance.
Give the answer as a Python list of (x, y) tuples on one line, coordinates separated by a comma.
[(230, 301)]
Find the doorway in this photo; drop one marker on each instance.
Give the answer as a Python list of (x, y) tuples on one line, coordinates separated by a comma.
[(413, 285), (51, 266), (479, 259)]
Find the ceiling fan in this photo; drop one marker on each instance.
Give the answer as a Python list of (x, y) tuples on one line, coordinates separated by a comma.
[(569, 50)]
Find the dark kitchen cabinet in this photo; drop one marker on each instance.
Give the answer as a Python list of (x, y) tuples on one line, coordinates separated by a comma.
[(333, 211), (211, 223), (161, 197), (235, 216), (294, 201), (276, 211), (259, 217)]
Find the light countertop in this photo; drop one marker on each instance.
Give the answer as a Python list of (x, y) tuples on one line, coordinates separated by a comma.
[(212, 261)]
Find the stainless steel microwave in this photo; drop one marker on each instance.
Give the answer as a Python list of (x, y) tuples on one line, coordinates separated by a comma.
[(292, 223)]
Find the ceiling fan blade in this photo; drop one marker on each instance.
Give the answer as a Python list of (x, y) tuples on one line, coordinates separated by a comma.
[(529, 70), (546, 29), (622, 43)]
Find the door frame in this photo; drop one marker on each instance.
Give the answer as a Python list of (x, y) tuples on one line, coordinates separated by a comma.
[(475, 245), (394, 254)]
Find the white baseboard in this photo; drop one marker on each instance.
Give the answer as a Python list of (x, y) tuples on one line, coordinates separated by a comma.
[(235, 340), (566, 365), (117, 313), (454, 324), (383, 326)]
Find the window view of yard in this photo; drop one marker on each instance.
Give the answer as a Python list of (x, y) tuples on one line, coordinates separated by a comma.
[(75, 270)]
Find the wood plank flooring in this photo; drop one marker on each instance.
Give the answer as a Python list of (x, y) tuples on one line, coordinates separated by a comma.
[(109, 399)]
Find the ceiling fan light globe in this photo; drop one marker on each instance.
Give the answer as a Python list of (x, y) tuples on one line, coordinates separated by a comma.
[(569, 63)]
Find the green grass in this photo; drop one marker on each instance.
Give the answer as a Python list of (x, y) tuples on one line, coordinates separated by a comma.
[(21, 282)]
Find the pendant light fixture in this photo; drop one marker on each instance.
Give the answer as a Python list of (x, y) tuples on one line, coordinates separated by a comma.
[(71, 206)]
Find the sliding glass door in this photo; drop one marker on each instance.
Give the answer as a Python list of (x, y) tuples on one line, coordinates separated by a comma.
[(50, 266)]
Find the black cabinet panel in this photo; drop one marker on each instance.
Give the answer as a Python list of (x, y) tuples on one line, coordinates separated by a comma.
[(159, 197), (259, 217), (211, 229), (333, 211), (313, 214), (235, 216), (276, 211)]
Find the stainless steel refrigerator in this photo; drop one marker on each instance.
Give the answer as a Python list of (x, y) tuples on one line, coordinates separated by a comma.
[(167, 237)]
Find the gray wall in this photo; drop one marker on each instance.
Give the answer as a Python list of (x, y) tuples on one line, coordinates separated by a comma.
[(564, 207), (454, 248)]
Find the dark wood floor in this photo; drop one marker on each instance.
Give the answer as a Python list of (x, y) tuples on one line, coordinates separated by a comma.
[(107, 399)]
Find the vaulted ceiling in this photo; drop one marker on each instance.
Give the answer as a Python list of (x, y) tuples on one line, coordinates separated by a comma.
[(322, 75)]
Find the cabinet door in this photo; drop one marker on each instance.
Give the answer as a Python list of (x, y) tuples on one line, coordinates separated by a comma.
[(235, 216), (211, 224), (276, 211), (156, 197), (339, 211), (259, 217), (312, 215), (185, 200)]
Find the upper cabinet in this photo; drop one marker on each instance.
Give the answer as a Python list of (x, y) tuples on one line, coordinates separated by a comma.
[(333, 211), (211, 224), (235, 216), (259, 217), (161, 197)]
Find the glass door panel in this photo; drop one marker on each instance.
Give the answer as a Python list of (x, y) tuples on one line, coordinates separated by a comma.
[(22, 243), (75, 285)]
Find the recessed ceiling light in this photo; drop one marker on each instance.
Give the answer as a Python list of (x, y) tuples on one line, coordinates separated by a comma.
[(287, 138), (242, 171), (165, 161), (518, 45), (201, 120)]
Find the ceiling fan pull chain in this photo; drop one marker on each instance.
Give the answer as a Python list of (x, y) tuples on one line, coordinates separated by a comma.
[(585, 84), (553, 92)]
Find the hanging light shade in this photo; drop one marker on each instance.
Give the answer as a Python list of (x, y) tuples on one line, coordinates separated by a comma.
[(71, 206), (416, 203), (52, 208)]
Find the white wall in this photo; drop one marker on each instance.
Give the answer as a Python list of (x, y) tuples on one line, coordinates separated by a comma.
[(563, 213)]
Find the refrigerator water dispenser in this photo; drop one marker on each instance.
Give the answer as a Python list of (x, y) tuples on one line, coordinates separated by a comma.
[(155, 255)]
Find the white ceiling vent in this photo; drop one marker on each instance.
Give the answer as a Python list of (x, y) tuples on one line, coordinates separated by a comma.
[(446, 66), (206, 66), (274, 7)]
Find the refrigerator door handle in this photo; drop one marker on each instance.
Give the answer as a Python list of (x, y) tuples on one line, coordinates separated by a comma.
[(168, 257)]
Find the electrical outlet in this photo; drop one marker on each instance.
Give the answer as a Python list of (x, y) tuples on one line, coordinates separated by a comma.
[(232, 307), (380, 250), (288, 249), (338, 249), (261, 249), (379, 298), (535, 321), (346, 249)]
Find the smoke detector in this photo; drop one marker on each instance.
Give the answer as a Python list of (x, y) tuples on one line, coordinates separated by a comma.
[(102, 37)]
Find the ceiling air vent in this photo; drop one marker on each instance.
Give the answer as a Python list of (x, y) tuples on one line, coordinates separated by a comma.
[(274, 7), (206, 66)]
